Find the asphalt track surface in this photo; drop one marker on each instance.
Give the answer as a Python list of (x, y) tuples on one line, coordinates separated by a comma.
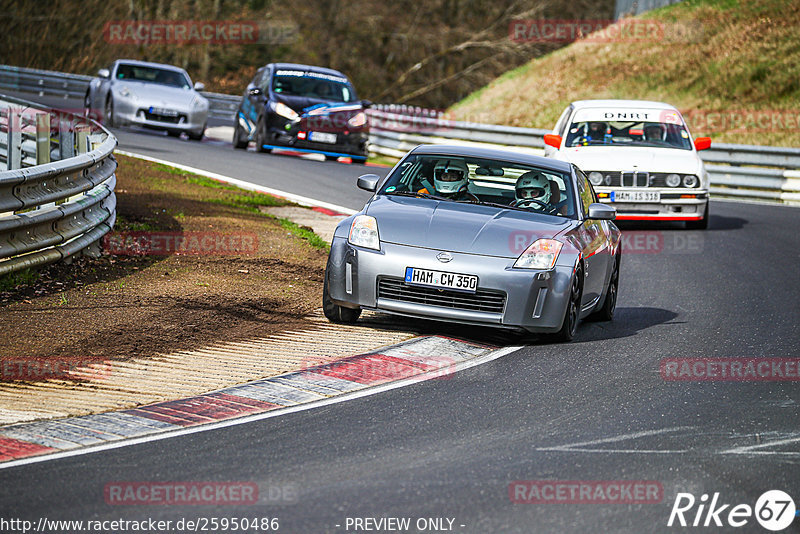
[(597, 409)]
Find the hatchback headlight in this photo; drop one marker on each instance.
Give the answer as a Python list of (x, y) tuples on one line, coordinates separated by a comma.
[(285, 111), (358, 120), (541, 254), (364, 232)]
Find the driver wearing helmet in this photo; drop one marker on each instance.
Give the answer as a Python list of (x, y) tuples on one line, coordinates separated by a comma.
[(534, 190), (593, 133), (450, 178), (655, 132)]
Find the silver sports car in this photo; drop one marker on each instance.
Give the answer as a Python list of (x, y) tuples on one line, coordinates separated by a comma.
[(151, 95), (477, 236)]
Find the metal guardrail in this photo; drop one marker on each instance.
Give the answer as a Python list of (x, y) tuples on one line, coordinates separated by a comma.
[(52, 210), (736, 171)]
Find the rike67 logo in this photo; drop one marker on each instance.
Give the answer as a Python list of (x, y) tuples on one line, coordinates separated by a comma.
[(774, 510)]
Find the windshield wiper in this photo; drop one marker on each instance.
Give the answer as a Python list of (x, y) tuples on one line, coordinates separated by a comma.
[(417, 194), (493, 204)]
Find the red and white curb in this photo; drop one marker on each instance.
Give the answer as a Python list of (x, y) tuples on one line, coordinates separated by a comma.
[(415, 360)]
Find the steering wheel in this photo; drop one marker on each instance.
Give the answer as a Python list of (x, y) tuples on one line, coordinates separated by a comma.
[(473, 196), (522, 202)]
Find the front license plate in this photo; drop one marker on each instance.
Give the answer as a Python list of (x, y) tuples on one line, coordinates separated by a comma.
[(425, 277), (164, 112), (322, 137), (635, 196)]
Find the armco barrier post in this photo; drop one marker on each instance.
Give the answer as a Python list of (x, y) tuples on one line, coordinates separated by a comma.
[(14, 155), (42, 138), (66, 137)]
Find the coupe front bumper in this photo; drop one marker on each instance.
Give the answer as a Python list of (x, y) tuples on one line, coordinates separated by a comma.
[(139, 112), (532, 300)]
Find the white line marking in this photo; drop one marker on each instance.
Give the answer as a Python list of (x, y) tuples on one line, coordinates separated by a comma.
[(750, 449), (614, 439), (436, 373), (303, 201)]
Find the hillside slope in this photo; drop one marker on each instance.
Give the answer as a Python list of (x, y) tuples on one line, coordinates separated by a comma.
[(732, 68)]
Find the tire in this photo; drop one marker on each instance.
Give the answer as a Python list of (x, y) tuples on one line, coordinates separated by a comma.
[(174, 133), (87, 107), (195, 136), (261, 132), (238, 142), (702, 224), (571, 316), (108, 114), (606, 311), (334, 312)]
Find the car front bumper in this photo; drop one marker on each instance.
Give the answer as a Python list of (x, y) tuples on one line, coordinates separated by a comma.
[(676, 204), (282, 133), (534, 300), (142, 113)]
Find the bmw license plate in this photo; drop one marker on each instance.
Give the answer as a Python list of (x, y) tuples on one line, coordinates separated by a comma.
[(635, 196), (425, 277), (322, 137)]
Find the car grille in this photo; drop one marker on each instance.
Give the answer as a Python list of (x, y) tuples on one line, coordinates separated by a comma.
[(171, 119), (631, 179), (482, 300)]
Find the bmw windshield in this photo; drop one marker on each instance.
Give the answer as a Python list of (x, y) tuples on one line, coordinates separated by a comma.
[(481, 181), (640, 128)]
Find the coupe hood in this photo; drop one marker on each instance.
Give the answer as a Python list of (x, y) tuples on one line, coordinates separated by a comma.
[(465, 228), (609, 158), (152, 94)]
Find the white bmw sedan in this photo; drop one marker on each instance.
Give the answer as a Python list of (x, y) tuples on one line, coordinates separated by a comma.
[(639, 156)]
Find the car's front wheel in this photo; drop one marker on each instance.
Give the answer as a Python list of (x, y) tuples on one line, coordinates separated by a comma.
[(239, 140), (606, 311), (109, 112), (570, 324), (334, 312), (261, 136)]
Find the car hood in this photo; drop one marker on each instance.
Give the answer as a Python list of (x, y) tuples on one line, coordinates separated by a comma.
[(609, 158), (464, 228), (301, 104), (154, 94)]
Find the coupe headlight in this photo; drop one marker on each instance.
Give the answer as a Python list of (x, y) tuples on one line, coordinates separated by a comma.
[(364, 232), (358, 120), (596, 178), (285, 111), (673, 180), (541, 254), (124, 91), (690, 180), (198, 102)]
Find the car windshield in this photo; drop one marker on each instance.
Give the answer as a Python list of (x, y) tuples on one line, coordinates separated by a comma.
[(140, 73), (313, 85), (483, 181), (628, 133)]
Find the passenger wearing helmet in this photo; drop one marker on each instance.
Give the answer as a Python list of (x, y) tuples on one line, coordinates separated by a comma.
[(594, 133), (450, 179), (534, 190)]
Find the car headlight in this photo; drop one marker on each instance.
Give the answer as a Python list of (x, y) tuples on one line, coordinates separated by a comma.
[(690, 180), (124, 91), (198, 102), (285, 111), (673, 180), (541, 254), (364, 232), (596, 178), (358, 120)]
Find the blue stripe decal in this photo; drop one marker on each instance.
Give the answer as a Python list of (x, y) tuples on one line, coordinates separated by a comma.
[(296, 149)]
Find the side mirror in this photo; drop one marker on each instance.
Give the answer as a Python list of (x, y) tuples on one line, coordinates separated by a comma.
[(104, 73), (552, 140), (702, 143), (369, 182), (255, 91), (602, 212), (199, 86), (366, 104)]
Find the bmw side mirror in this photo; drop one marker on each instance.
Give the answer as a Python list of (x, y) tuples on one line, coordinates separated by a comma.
[(366, 104), (369, 182), (552, 140), (602, 212), (255, 91), (104, 73), (199, 86), (702, 143)]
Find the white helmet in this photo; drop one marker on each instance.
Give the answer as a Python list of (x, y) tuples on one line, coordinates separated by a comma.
[(450, 176), (533, 184)]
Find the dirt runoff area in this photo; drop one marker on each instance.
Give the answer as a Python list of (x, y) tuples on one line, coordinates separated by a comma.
[(191, 261)]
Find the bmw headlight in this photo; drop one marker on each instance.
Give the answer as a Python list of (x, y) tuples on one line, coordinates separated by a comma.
[(673, 180), (285, 111), (596, 178), (541, 254), (358, 120), (690, 180), (364, 232)]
